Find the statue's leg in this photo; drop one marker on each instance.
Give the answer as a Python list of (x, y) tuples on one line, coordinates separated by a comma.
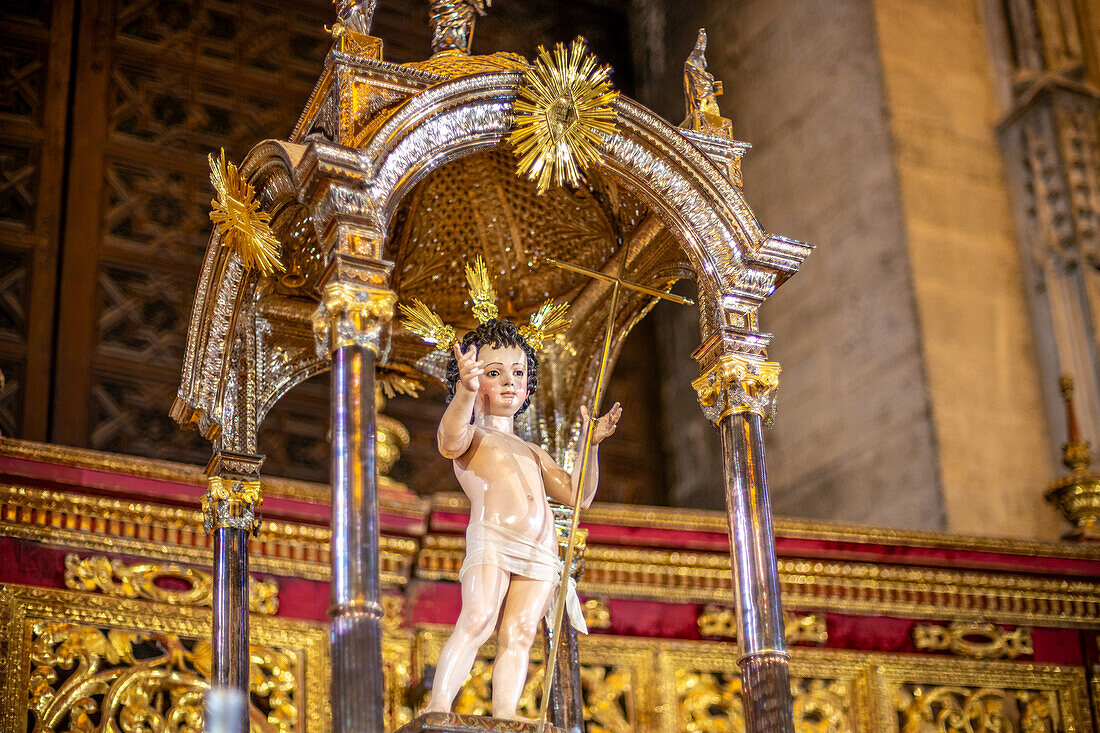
[(524, 608), (483, 589)]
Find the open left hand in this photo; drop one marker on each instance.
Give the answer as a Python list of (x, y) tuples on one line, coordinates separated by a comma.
[(605, 426)]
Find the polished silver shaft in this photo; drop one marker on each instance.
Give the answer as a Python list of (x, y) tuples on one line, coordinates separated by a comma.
[(230, 657), (358, 692), (765, 674)]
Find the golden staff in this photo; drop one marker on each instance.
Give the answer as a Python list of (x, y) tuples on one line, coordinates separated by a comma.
[(617, 282)]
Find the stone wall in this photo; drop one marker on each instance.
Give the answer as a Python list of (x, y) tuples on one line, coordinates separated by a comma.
[(976, 330), (854, 438)]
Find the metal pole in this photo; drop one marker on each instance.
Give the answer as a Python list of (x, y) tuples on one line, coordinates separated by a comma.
[(229, 657), (566, 697), (231, 506), (764, 661), (358, 693)]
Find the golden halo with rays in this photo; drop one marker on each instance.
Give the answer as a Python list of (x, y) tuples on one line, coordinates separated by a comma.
[(237, 215), (562, 113)]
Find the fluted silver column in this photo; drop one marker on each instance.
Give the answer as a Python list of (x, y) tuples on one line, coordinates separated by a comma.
[(358, 693)]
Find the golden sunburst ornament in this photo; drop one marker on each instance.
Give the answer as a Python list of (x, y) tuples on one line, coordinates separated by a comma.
[(562, 114), (237, 215)]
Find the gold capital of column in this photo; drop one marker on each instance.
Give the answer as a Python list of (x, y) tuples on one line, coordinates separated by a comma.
[(233, 493), (736, 384), (231, 503), (352, 315)]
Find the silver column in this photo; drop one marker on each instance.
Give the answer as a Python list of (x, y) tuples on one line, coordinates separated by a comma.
[(230, 510), (356, 633), (229, 656), (764, 661)]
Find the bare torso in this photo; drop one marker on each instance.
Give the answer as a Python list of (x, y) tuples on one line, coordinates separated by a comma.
[(503, 480)]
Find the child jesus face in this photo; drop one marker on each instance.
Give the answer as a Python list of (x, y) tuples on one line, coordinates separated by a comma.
[(502, 386)]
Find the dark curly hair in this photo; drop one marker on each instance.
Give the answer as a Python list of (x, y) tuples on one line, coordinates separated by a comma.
[(497, 333)]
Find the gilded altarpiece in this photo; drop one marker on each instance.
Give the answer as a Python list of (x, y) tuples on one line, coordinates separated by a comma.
[(635, 684), (81, 662)]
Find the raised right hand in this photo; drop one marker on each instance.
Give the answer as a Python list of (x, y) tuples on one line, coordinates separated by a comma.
[(469, 368)]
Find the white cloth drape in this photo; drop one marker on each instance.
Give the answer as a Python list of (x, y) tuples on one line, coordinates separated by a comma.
[(488, 543)]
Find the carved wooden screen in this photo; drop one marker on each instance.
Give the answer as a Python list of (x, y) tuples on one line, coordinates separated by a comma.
[(34, 88), (158, 85)]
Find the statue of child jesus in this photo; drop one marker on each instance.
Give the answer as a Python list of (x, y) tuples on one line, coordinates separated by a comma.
[(512, 567)]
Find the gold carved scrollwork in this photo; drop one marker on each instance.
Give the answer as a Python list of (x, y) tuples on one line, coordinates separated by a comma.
[(596, 614), (393, 613), (85, 679), (143, 581), (709, 701), (352, 315), (231, 503), (736, 384), (719, 621), (951, 709), (974, 639)]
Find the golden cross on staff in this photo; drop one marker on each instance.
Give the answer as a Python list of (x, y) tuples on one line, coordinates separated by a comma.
[(563, 589)]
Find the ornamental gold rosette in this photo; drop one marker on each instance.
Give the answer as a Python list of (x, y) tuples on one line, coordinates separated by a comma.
[(239, 219), (562, 114)]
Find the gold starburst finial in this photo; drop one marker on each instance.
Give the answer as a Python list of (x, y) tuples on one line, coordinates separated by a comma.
[(237, 215), (481, 291), (425, 323), (549, 320), (562, 114)]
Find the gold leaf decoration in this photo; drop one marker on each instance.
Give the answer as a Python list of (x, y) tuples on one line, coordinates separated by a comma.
[(481, 290), (548, 321), (562, 114), (144, 580), (425, 323), (87, 679), (237, 215)]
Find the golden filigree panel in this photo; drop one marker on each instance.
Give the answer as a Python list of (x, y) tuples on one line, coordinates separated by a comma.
[(799, 628), (701, 689), (974, 639), (669, 685), (143, 580), (944, 697), (81, 662)]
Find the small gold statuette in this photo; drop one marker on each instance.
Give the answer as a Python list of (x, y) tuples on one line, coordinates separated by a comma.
[(701, 92), (239, 219), (562, 114), (452, 23)]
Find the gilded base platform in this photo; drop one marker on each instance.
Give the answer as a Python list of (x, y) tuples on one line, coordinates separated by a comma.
[(455, 723)]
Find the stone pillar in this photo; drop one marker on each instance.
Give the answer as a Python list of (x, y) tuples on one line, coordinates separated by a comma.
[(230, 509), (350, 325), (737, 392), (1050, 133)]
